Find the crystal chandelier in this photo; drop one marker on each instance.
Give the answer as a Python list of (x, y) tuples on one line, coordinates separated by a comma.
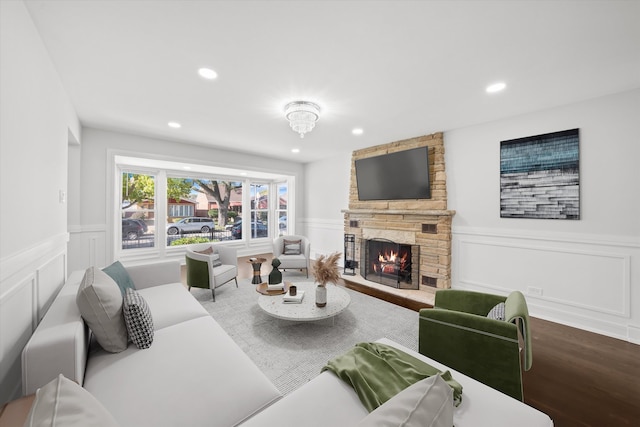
[(302, 116)]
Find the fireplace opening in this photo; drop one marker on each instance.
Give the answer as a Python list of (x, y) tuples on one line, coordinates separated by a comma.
[(390, 263)]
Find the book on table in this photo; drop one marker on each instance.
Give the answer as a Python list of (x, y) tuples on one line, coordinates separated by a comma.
[(293, 299)]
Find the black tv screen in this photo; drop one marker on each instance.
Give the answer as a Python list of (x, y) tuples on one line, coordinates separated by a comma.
[(394, 176)]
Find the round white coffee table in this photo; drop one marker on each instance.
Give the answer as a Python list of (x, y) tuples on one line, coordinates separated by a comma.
[(337, 300)]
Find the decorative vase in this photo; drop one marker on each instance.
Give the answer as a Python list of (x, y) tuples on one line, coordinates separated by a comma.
[(321, 296)]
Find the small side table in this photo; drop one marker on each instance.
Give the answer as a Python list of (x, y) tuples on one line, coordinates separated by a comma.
[(256, 263), (15, 413)]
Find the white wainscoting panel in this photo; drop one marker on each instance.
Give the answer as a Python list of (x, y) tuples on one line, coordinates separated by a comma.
[(27, 287), (50, 278), (87, 247), (17, 319), (582, 282), (325, 235)]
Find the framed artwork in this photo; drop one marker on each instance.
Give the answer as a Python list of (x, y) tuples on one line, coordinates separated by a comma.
[(540, 176)]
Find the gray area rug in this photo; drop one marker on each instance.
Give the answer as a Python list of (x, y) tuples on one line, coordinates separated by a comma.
[(292, 353)]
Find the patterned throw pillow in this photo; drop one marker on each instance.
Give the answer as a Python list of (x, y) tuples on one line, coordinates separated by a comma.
[(292, 247), (137, 317), (497, 312)]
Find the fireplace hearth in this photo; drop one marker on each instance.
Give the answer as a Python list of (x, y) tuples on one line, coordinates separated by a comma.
[(390, 263)]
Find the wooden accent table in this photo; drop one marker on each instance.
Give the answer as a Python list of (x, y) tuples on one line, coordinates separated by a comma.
[(256, 263), (15, 413)]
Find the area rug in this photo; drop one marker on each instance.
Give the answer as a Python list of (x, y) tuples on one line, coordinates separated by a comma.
[(292, 353)]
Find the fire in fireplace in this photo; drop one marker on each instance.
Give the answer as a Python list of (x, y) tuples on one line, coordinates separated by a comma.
[(390, 263)]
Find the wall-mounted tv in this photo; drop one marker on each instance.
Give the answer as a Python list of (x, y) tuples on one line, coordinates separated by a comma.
[(394, 176)]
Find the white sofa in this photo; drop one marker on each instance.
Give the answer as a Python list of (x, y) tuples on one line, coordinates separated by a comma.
[(195, 375)]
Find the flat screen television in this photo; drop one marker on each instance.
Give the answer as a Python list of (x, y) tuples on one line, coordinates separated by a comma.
[(394, 176)]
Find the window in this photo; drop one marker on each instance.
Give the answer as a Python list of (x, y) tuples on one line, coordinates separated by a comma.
[(179, 211), (137, 210), (281, 209), (159, 203), (259, 196)]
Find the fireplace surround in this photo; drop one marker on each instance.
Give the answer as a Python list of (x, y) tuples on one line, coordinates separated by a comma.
[(423, 223)]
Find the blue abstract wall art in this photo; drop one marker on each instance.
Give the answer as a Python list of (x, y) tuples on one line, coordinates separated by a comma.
[(539, 176)]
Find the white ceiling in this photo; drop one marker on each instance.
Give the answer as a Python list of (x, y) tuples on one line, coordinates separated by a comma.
[(397, 69)]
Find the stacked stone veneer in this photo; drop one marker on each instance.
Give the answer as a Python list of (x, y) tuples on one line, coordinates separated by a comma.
[(422, 222)]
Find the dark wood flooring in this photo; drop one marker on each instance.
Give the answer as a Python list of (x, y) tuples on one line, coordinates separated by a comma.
[(578, 378)]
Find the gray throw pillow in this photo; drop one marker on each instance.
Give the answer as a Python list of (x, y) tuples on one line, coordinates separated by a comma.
[(63, 403), (120, 275), (292, 247), (497, 312), (137, 318), (100, 303), (428, 402), (215, 260)]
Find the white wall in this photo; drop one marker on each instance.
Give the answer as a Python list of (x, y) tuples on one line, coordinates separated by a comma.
[(36, 123), (91, 240), (585, 270), (327, 193)]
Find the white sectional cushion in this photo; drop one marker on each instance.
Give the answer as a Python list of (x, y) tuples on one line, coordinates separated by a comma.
[(194, 374), (100, 302), (171, 304), (324, 401), (427, 403), (63, 403)]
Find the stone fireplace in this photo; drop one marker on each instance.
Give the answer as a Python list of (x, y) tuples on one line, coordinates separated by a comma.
[(419, 229)]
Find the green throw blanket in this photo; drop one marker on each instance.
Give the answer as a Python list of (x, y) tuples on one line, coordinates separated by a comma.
[(377, 372)]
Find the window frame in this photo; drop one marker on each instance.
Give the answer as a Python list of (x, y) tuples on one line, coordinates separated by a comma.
[(122, 161)]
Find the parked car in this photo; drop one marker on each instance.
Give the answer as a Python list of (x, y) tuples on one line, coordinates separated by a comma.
[(282, 222), (132, 229), (142, 223), (191, 225), (258, 229)]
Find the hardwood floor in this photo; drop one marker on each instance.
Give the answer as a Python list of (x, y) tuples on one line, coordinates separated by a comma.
[(578, 378)]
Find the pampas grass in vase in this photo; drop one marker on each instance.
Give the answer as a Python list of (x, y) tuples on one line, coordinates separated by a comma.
[(325, 270)]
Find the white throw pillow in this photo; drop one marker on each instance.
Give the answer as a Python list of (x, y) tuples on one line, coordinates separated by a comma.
[(100, 303), (63, 403), (427, 403)]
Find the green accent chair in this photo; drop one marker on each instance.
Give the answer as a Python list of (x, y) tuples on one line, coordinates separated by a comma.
[(210, 266), (458, 333)]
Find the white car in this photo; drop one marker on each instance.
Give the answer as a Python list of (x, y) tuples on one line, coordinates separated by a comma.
[(191, 225)]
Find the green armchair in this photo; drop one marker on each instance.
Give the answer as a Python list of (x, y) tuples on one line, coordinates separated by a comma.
[(210, 266), (458, 333)]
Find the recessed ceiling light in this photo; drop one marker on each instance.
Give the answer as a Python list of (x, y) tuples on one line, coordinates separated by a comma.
[(174, 125), (357, 131), (243, 173), (295, 150), (207, 73), (496, 87), (186, 167)]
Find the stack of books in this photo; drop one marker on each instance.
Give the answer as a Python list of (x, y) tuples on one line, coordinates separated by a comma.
[(293, 299), (276, 287)]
